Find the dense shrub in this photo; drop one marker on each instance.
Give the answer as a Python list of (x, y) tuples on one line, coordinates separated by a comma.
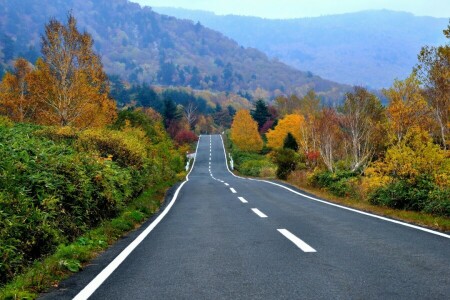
[(252, 164), (419, 195), (55, 184), (338, 183)]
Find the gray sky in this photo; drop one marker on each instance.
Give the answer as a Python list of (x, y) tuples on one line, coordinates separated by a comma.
[(305, 8)]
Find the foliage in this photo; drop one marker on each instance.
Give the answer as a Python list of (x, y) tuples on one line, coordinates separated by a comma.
[(69, 83), (434, 72), (252, 164), (244, 132), (69, 258), (290, 142), (414, 175), (338, 183), (289, 124), (361, 123), (185, 137), (261, 113), (286, 161), (15, 99), (56, 183), (407, 108)]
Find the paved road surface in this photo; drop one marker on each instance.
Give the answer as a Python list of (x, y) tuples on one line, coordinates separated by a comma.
[(231, 238)]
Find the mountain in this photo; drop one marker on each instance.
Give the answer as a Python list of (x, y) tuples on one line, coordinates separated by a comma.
[(141, 45), (368, 48)]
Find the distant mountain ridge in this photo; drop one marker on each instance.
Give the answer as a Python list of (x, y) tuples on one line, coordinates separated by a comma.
[(140, 45), (368, 48)]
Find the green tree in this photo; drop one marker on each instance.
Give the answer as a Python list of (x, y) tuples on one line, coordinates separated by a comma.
[(261, 113), (290, 142)]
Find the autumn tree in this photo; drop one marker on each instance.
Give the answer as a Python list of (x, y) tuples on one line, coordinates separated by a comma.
[(289, 124), (407, 108), (362, 114), (434, 72), (329, 136), (69, 82), (244, 132), (15, 99), (190, 114)]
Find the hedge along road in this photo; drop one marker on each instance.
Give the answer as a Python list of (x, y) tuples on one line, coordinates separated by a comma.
[(223, 236)]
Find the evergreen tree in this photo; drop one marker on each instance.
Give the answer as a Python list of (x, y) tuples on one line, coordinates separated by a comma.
[(290, 142), (170, 111), (261, 113)]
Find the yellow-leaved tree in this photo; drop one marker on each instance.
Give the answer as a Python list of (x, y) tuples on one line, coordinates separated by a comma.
[(407, 108), (290, 123), (15, 99), (244, 132), (414, 156), (69, 83)]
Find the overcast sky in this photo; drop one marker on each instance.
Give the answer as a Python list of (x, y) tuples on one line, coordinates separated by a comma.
[(305, 8)]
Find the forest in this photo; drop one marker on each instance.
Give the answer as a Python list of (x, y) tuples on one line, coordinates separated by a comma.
[(393, 156)]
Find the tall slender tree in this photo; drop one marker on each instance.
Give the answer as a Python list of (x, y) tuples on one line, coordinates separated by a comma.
[(434, 72), (362, 114)]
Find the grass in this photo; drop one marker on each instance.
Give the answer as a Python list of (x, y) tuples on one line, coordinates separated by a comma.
[(71, 258)]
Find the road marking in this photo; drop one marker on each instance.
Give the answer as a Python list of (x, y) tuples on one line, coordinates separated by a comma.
[(226, 184), (233, 190), (242, 200), (298, 242), (95, 283), (259, 213), (337, 205)]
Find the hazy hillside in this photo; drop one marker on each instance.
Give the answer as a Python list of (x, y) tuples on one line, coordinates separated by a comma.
[(366, 48), (142, 46)]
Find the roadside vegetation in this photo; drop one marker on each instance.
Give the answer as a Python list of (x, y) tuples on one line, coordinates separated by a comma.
[(75, 172), (392, 159)]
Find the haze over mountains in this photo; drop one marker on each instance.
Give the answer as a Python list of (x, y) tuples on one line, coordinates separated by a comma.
[(369, 48), (142, 46)]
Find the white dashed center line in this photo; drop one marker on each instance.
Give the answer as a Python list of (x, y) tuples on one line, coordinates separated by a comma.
[(259, 213), (298, 242), (233, 190), (242, 200)]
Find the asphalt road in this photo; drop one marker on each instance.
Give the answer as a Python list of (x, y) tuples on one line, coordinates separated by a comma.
[(232, 238)]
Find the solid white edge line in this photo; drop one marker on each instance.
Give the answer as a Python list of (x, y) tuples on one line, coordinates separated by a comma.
[(233, 190), (242, 200), (95, 283), (298, 242), (259, 213), (337, 205)]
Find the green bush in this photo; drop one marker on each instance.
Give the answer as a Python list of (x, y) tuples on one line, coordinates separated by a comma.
[(338, 183), (251, 164), (419, 195), (55, 184)]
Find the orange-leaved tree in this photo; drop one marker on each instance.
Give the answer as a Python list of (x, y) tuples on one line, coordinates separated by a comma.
[(407, 108), (244, 132), (290, 123), (69, 82), (15, 99)]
